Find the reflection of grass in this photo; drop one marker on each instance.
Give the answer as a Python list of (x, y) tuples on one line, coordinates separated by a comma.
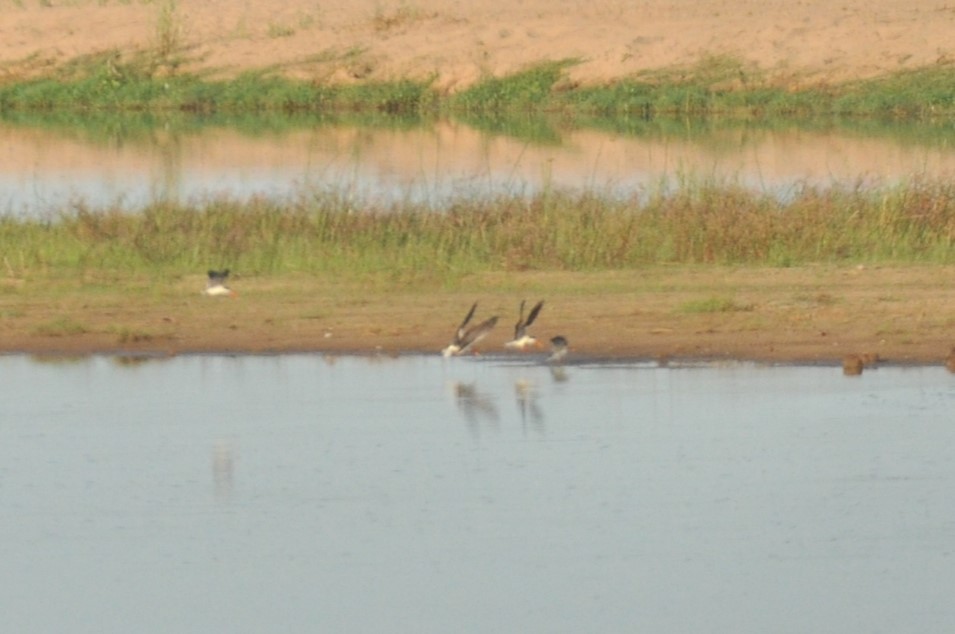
[(536, 129), (100, 129)]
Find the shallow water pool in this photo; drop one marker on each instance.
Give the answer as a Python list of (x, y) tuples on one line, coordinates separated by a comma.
[(312, 493)]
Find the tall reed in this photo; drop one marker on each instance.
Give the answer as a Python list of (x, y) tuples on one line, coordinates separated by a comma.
[(699, 223)]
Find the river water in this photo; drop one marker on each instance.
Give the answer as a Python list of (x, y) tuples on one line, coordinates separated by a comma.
[(44, 170), (365, 494)]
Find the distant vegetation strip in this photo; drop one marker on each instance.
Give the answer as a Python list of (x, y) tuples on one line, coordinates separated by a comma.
[(715, 86), (699, 223)]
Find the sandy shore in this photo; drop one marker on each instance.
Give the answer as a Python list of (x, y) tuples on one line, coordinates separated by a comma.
[(808, 314), (458, 42)]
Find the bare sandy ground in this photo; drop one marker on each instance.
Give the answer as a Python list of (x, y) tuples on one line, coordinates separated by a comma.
[(807, 314), (458, 41)]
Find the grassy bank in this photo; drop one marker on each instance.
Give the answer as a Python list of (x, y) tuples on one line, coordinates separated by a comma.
[(322, 233), (718, 86)]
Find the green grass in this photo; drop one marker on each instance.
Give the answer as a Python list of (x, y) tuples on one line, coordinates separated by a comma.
[(526, 90), (919, 93), (700, 223), (108, 82), (152, 81), (724, 86)]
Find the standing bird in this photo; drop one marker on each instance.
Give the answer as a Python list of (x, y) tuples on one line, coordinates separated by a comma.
[(215, 285), (559, 347), (521, 340), (466, 337)]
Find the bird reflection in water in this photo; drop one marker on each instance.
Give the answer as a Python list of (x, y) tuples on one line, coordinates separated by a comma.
[(223, 470), (475, 406), (559, 374), (527, 404), (559, 349)]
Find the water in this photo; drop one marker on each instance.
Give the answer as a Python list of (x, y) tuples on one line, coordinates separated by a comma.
[(311, 493), (43, 170)]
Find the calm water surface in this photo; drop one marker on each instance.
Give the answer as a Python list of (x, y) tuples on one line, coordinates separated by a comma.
[(307, 493), (42, 170)]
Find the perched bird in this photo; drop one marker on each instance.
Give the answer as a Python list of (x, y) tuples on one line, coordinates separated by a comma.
[(559, 347), (522, 340), (215, 285), (465, 338)]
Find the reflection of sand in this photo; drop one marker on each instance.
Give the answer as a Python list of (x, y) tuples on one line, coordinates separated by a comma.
[(458, 42), (443, 159)]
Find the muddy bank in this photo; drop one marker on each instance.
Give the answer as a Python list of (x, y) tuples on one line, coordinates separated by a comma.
[(810, 314)]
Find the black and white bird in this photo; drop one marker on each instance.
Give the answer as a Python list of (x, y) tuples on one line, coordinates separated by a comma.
[(465, 338), (522, 340), (559, 347), (215, 285)]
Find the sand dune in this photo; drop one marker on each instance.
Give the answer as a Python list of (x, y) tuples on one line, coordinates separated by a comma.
[(457, 42)]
